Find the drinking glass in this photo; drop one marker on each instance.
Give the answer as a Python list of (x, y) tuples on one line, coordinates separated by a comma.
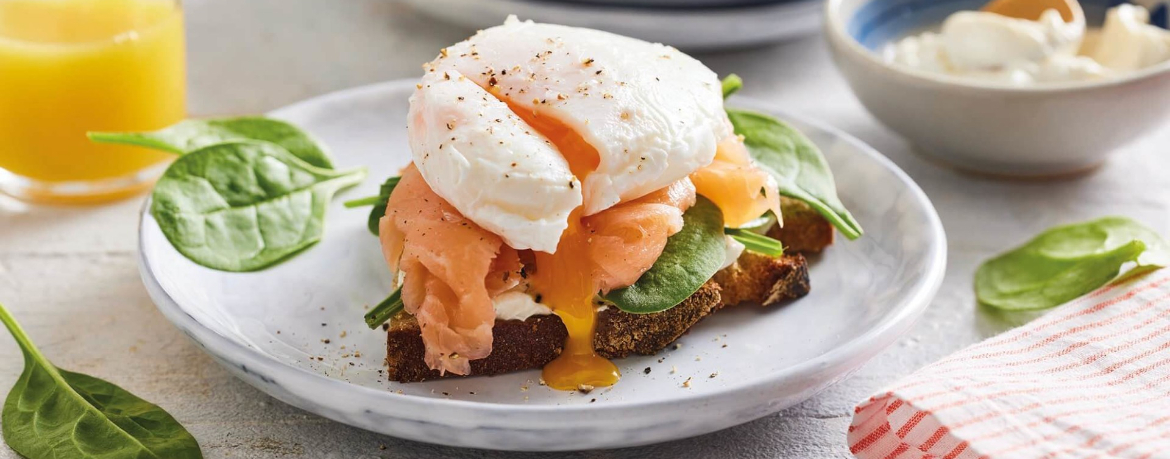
[(68, 67)]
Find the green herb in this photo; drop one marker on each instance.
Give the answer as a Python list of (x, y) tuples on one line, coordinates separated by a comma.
[(731, 84), (53, 413), (1066, 262), (797, 164), (689, 259), (756, 242), (191, 135), (244, 206), (379, 203), (385, 310)]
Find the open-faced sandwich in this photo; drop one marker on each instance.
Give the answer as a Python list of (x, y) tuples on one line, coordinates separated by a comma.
[(578, 196)]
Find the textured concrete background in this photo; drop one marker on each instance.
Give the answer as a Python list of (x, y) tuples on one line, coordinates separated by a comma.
[(69, 273)]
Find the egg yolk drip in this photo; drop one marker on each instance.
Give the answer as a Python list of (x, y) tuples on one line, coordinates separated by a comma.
[(565, 279)]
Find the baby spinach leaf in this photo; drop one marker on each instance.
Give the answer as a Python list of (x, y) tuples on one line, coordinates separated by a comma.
[(244, 206), (379, 202), (53, 413), (689, 259), (191, 135), (797, 164), (1066, 262), (731, 84), (385, 310), (756, 242)]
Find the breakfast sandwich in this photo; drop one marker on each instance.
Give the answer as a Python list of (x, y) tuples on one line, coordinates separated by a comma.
[(576, 196)]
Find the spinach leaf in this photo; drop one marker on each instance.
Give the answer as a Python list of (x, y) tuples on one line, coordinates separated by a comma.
[(53, 413), (244, 206), (1066, 262), (731, 84), (756, 242), (191, 135), (379, 203), (797, 165), (689, 259), (385, 310)]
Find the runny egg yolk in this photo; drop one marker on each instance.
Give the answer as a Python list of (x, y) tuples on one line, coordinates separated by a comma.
[(565, 279)]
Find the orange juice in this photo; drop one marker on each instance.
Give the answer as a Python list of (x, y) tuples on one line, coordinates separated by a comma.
[(72, 66)]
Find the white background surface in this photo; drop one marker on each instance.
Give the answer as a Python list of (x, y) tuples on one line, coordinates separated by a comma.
[(69, 274)]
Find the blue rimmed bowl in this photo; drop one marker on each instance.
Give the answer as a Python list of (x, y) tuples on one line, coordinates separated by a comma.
[(991, 127)]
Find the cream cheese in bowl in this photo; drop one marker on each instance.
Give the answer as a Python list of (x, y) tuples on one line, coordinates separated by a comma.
[(986, 46)]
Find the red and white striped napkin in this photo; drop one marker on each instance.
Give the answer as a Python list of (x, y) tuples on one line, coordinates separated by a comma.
[(1090, 379)]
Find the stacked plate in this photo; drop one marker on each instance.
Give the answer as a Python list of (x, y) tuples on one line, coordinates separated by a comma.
[(687, 24)]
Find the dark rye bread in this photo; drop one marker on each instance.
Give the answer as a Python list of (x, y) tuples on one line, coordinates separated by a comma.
[(521, 345), (765, 280), (532, 343), (516, 345), (619, 333)]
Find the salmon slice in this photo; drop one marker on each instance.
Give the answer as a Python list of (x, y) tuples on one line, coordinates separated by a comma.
[(452, 269), (740, 189), (628, 238)]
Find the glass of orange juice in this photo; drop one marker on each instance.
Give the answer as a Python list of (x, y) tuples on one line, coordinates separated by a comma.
[(72, 66)]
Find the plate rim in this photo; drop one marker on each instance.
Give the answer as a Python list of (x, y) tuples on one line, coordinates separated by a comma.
[(860, 348)]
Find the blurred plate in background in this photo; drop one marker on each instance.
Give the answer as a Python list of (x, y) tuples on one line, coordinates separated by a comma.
[(669, 3), (690, 29)]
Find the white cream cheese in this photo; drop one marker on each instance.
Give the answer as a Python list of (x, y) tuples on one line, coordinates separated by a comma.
[(517, 305), (732, 250), (990, 47)]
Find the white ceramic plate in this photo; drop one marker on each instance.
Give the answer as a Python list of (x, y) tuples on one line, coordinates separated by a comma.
[(269, 327), (692, 29)]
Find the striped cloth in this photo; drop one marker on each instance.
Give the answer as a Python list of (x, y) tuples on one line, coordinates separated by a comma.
[(1090, 379)]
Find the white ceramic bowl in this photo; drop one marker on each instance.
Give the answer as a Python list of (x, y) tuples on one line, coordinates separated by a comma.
[(1048, 130)]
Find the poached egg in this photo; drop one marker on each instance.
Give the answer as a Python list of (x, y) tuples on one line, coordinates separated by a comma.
[(490, 121)]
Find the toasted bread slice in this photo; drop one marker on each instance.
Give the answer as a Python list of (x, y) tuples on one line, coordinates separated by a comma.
[(761, 279), (516, 345), (522, 345), (619, 333), (804, 231)]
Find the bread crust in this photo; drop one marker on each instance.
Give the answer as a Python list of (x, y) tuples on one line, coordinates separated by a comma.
[(756, 278)]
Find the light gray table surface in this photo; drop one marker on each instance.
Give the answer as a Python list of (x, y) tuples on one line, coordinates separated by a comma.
[(69, 274)]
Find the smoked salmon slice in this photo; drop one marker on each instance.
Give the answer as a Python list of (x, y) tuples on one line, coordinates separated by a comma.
[(628, 238), (740, 189), (451, 268)]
